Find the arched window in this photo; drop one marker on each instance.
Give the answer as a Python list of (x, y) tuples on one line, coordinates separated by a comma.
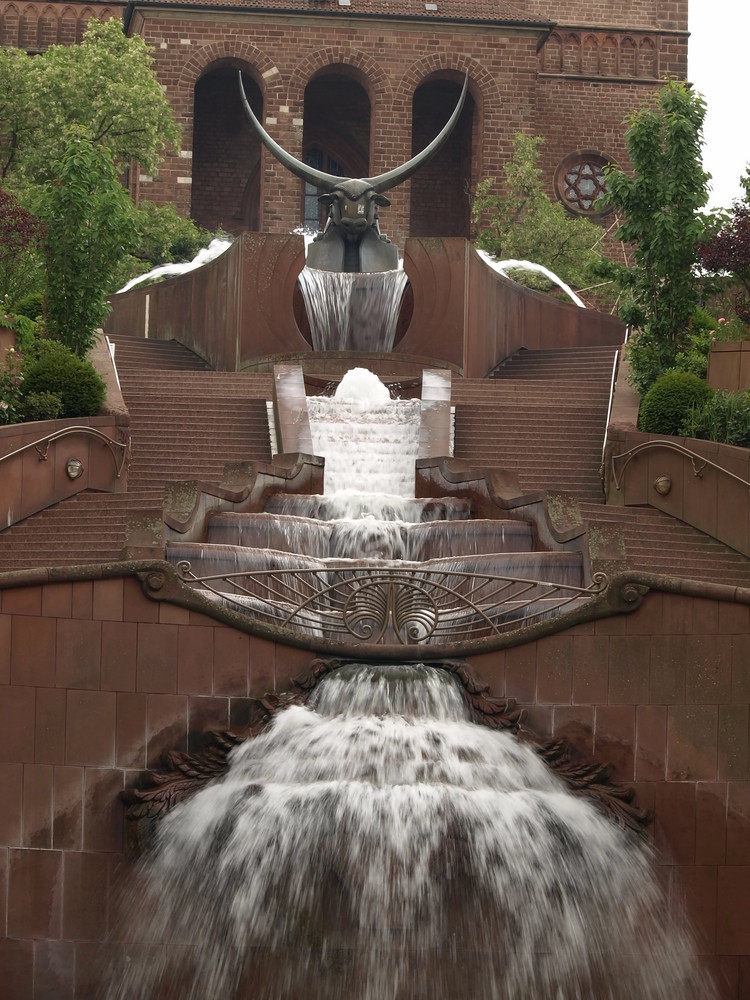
[(439, 190), (336, 136), (315, 213), (226, 152)]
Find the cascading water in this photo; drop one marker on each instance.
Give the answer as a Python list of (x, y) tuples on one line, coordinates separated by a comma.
[(377, 845), (370, 441), (352, 311)]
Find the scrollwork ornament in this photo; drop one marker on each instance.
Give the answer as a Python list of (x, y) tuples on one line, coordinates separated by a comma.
[(376, 604)]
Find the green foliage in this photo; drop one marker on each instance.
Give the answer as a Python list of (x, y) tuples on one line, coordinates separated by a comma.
[(694, 355), (21, 267), (650, 358), (660, 204), (31, 306), (164, 237), (17, 111), (42, 406), (26, 331), (88, 215), (161, 236), (11, 387), (723, 417), (105, 85), (60, 372), (669, 400), (523, 223), (43, 348)]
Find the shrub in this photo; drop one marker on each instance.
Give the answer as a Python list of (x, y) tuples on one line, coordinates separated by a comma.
[(42, 406), (26, 331), (669, 400), (724, 417), (62, 373), (31, 305), (11, 387), (694, 356), (648, 360), (46, 347)]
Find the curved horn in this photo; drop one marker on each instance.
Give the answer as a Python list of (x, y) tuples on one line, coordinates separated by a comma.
[(309, 174), (384, 182), (327, 182)]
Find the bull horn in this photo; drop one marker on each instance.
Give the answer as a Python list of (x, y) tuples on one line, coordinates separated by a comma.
[(384, 182), (308, 174), (327, 182)]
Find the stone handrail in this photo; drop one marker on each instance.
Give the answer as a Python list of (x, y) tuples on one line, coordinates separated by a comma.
[(703, 483), (34, 475)]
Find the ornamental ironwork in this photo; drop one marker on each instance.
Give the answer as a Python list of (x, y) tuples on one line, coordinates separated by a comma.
[(391, 605)]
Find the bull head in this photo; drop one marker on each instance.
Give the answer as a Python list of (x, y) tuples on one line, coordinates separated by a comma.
[(351, 240)]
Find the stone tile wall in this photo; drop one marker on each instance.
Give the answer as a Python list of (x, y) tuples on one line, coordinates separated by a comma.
[(96, 681)]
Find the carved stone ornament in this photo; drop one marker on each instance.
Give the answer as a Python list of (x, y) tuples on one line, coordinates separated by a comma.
[(184, 774)]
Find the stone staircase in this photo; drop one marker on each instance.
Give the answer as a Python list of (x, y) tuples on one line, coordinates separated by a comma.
[(646, 539), (541, 413), (186, 423)]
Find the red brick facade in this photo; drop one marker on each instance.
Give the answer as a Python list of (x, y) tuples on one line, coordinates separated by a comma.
[(569, 72)]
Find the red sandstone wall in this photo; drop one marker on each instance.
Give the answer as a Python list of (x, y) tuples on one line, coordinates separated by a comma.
[(96, 681)]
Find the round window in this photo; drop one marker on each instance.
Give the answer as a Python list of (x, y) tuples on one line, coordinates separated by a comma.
[(580, 182)]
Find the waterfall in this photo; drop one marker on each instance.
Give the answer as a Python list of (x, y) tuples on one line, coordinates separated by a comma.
[(370, 441), (378, 845), (352, 311)]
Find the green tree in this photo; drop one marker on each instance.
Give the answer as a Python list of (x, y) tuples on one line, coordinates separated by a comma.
[(161, 236), (660, 203), (89, 227), (523, 223), (20, 236), (18, 116), (105, 85)]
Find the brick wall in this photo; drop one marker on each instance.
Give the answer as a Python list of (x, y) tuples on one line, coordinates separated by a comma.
[(36, 26), (574, 88), (391, 62)]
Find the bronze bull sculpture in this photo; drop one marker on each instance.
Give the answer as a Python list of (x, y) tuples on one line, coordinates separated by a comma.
[(351, 239)]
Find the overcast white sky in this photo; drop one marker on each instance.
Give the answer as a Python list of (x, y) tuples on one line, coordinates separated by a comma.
[(719, 68)]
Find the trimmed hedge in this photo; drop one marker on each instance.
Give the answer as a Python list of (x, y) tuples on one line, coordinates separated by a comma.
[(58, 371), (669, 401)]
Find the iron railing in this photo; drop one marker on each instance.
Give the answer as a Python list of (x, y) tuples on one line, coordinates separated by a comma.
[(390, 604), (693, 456), (41, 445), (612, 383)]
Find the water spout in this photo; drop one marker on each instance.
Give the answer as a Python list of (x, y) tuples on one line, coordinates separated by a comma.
[(352, 311), (504, 266)]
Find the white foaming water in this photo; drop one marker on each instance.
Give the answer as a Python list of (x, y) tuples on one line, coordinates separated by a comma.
[(214, 249), (352, 311), (379, 846), (504, 266), (370, 442)]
